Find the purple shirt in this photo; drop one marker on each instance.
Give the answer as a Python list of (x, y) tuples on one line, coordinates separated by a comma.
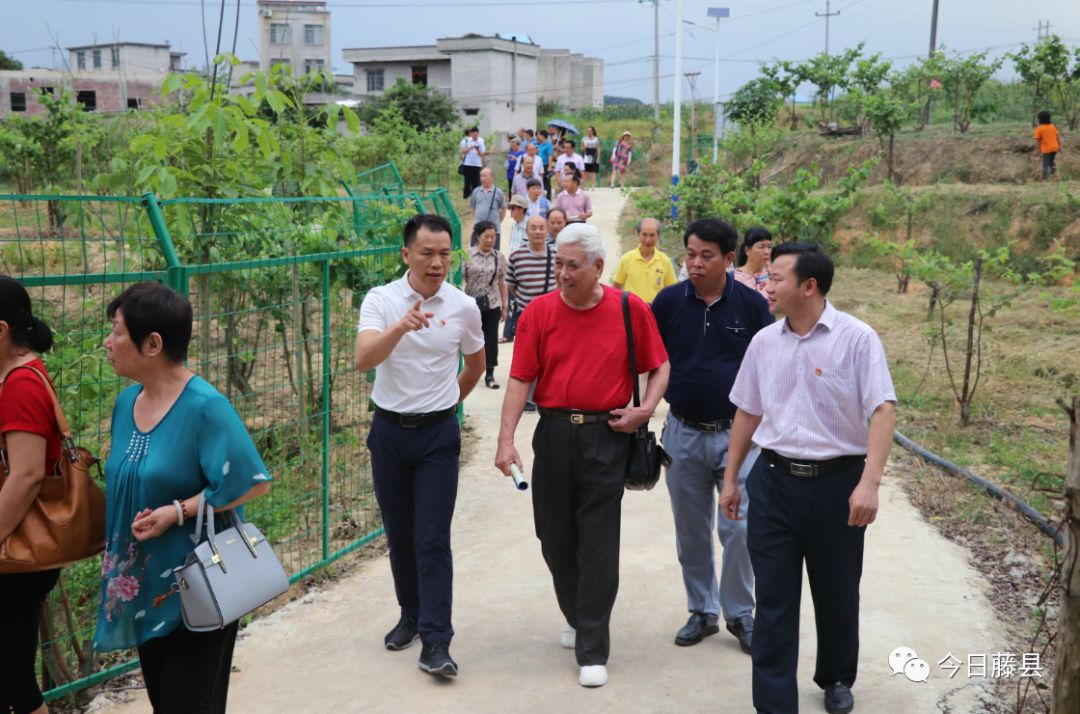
[(573, 205)]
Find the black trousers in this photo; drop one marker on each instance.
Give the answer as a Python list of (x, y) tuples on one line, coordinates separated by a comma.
[(1048, 167), (472, 179), (21, 598), (415, 471), (577, 492), (188, 672), (489, 324), (792, 519)]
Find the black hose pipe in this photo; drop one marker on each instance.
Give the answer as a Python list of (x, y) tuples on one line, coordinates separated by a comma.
[(994, 490)]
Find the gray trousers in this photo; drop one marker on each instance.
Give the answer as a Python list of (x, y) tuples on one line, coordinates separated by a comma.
[(693, 480)]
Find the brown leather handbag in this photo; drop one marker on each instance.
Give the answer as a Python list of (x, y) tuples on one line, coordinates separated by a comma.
[(66, 522)]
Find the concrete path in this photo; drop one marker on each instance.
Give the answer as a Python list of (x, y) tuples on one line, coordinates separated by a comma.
[(324, 653)]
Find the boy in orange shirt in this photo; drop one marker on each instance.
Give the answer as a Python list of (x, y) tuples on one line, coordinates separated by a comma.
[(1049, 144)]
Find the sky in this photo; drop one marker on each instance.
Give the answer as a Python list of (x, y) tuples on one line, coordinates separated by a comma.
[(618, 31)]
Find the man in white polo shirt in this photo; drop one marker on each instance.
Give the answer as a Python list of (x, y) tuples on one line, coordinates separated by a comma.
[(412, 331), (814, 392)]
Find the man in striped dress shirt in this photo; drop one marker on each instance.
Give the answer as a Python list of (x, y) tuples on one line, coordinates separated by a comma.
[(814, 392)]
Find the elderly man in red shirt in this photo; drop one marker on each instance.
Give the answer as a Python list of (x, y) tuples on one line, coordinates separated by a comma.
[(573, 343)]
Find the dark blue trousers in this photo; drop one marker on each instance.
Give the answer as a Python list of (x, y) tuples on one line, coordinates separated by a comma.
[(415, 471), (793, 519)]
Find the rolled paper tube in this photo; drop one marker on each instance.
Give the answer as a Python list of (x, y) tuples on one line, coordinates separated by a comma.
[(519, 479)]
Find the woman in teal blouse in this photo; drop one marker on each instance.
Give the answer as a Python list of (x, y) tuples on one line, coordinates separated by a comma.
[(173, 437)]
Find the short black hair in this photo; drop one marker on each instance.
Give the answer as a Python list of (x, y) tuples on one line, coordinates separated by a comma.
[(480, 227), (811, 262), (431, 221), (471, 129), (543, 133), (556, 209), (570, 142), (1044, 117), (528, 132), (153, 307), (750, 238), (17, 311), (713, 230), (533, 182)]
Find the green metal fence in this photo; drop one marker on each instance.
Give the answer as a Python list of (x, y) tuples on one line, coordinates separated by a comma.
[(276, 285)]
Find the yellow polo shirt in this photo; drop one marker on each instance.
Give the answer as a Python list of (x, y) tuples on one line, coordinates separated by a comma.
[(645, 278)]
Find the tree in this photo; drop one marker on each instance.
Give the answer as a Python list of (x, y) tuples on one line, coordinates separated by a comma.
[(785, 77), (1067, 660), (754, 104), (830, 73), (1052, 72), (423, 107), (9, 62), (885, 114), (917, 85), (962, 78)]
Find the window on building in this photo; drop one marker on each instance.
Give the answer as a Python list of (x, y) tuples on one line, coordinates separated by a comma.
[(18, 101), (279, 33), (313, 64), (419, 75), (133, 103), (114, 55), (279, 60), (375, 80), (87, 99), (48, 90), (97, 59), (313, 34), (80, 60), (471, 112), (174, 63)]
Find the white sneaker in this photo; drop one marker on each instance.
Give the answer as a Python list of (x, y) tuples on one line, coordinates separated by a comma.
[(568, 638), (593, 675)]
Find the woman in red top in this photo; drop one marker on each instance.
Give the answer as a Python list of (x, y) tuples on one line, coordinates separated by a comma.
[(28, 424)]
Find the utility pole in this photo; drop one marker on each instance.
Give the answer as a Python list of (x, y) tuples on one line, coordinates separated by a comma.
[(1043, 30), (827, 14), (933, 49), (718, 13), (677, 108), (691, 77), (655, 64)]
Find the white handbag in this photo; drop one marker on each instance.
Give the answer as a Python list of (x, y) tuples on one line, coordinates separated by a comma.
[(228, 575)]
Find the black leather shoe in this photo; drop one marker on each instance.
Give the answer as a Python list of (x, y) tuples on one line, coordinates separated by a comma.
[(403, 634), (743, 629), (838, 699), (695, 630), (435, 659)]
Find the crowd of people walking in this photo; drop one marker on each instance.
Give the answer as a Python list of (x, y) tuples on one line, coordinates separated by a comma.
[(776, 436)]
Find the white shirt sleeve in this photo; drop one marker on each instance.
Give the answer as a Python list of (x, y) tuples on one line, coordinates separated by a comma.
[(372, 311), (872, 372), (480, 145), (472, 337), (746, 392)]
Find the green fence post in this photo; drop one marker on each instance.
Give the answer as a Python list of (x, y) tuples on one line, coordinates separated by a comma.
[(326, 409), (175, 278)]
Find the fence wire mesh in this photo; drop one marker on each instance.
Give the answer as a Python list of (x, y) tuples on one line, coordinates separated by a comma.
[(276, 285)]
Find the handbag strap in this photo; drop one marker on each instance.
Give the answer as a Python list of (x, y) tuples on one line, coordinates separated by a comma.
[(630, 346), (58, 411), (495, 270)]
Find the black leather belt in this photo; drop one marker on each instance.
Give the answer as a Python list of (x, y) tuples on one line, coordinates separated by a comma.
[(412, 421), (809, 469), (575, 416), (713, 426)]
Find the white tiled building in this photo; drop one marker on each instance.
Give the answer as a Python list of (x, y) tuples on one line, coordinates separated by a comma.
[(495, 79), (294, 32)]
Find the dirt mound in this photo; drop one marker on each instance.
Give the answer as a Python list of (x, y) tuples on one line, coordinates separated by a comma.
[(998, 154)]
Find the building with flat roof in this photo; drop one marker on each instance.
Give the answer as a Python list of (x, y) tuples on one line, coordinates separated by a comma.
[(496, 79), (124, 58), (296, 33)]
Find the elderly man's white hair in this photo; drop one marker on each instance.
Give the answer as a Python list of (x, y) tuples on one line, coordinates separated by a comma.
[(587, 237)]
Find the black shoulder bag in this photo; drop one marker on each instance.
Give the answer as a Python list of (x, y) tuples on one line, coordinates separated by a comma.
[(646, 456)]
